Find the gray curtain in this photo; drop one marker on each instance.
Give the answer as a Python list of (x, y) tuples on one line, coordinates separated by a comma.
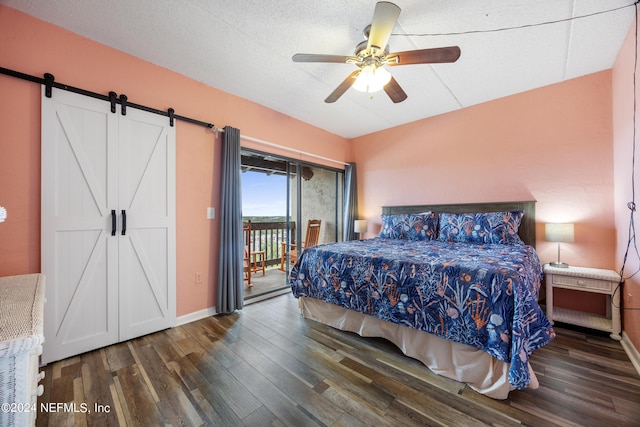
[(230, 289), (350, 202)]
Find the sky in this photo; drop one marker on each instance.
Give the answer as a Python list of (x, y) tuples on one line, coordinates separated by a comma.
[(263, 195)]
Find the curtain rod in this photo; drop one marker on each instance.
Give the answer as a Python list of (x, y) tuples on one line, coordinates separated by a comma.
[(49, 82), (271, 144)]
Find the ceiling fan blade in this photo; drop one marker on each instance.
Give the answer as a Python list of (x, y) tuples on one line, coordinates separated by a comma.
[(343, 87), (394, 91), (385, 17), (311, 57), (424, 56)]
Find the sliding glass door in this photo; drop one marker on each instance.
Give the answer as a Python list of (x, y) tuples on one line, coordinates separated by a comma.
[(303, 201), (315, 207)]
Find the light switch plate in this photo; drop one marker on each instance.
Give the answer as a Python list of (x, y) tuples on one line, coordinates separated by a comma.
[(211, 213)]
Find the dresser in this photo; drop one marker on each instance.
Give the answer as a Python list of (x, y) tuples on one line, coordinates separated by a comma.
[(594, 280), (21, 338)]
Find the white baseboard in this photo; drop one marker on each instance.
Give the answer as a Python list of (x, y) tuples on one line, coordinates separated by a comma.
[(631, 351), (196, 315)]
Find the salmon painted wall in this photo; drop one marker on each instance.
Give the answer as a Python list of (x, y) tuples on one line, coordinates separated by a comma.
[(34, 47), (623, 126), (553, 145)]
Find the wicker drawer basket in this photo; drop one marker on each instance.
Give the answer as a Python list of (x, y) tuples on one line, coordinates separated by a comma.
[(21, 338)]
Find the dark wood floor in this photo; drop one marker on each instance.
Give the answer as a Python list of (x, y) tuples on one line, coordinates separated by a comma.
[(267, 366)]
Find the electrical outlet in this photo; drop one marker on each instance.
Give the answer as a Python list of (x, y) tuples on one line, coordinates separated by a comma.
[(198, 278)]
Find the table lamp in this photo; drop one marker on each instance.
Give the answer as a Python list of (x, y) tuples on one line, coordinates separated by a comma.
[(561, 233), (360, 226)]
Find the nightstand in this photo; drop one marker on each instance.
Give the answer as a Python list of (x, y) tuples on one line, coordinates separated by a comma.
[(586, 280)]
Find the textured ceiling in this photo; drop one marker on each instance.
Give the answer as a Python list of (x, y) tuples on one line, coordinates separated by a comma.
[(244, 47)]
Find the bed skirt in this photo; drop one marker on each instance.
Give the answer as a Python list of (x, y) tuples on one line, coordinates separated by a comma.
[(460, 362)]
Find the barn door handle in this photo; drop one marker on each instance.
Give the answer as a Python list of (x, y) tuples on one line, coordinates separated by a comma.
[(113, 222), (124, 222)]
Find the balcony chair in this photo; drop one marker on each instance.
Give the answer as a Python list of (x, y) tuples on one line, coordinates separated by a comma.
[(254, 261), (246, 262), (311, 239), (257, 261)]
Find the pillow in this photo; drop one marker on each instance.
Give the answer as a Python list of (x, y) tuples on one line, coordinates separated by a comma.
[(410, 226), (491, 227)]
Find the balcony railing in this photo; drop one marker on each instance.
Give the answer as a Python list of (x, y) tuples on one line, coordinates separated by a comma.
[(268, 237)]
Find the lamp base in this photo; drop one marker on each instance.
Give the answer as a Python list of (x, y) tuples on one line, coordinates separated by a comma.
[(559, 264)]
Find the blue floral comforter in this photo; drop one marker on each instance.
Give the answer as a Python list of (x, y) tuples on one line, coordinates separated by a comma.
[(481, 295)]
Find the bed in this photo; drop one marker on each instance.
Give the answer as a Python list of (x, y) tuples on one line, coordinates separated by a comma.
[(454, 286)]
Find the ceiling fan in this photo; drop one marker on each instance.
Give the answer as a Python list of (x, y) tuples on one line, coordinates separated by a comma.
[(373, 53)]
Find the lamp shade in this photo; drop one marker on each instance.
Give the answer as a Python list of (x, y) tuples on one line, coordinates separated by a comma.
[(360, 226), (559, 232)]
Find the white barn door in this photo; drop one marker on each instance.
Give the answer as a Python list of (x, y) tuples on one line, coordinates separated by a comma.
[(104, 286), (146, 193)]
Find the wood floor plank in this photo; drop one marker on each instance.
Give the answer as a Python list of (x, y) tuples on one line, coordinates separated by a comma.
[(166, 348), (122, 409), (80, 418), (589, 378), (95, 386), (505, 408), (353, 404), (62, 419), (224, 387), (418, 394), (141, 404), (445, 415), (327, 365), (212, 410), (262, 417), (119, 356), (268, 366), (291, 385), (173, 404), (118, 407), (625, 406), (297, 368), (314, 360), (277, 402), (187, 345), (63, 389), (200, 336), (571, 410), (141, 369), (225, 326)]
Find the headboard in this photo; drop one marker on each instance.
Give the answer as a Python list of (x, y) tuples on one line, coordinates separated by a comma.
[(527, 230)]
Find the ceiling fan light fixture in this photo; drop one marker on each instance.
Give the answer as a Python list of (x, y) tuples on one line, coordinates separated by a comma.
[(373, 53), (372, 79)]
